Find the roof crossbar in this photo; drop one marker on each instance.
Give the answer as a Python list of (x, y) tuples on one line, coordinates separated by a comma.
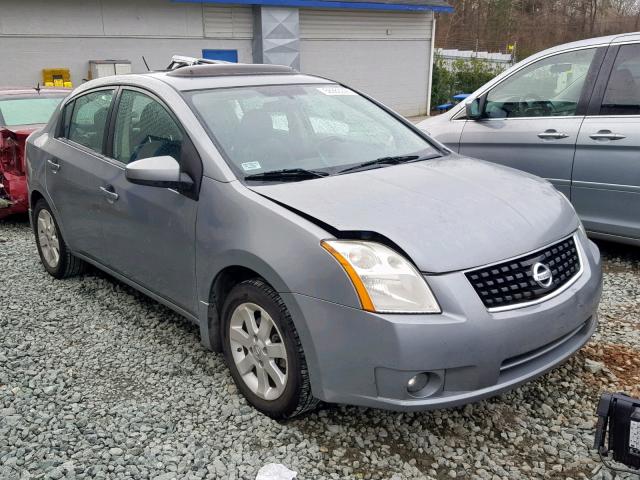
[(228, 69)]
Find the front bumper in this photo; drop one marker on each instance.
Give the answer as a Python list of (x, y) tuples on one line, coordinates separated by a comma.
[(362, 358)]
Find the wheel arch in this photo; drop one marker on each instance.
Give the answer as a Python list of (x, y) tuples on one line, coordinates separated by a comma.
[(40, 193), (34, 197), (238, 268)]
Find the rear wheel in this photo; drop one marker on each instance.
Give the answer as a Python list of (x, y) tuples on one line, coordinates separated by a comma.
[(54, 254), (263, 351)]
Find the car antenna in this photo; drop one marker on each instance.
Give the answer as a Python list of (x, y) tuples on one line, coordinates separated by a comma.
[(37, 89), (146, 64)]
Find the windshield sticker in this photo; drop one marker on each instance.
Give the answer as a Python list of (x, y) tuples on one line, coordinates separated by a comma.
[(250, 166), (336, 91)]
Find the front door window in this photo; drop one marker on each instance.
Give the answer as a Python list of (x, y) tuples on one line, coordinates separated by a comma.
[(144, 128), (550, 87)]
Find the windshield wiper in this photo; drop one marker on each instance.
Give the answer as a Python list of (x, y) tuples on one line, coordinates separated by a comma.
[(287, 174), (387, 161)]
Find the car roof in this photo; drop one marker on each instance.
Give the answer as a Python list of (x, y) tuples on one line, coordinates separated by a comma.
[(589, 42), (226, 81), (211, 76)]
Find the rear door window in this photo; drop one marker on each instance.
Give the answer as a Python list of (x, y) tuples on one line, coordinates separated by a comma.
[(88, 119), (622, 96)]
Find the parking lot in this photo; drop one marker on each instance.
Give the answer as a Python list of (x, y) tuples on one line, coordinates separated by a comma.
[(97, 381)]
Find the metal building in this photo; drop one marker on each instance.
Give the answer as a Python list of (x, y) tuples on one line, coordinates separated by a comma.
[(383, 47)]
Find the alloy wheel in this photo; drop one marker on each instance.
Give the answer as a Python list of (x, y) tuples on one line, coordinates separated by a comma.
[(258, 351), (48, 238)]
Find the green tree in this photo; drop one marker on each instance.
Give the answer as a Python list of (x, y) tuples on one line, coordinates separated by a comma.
[(441, 91), (460, 76), (469, 75)]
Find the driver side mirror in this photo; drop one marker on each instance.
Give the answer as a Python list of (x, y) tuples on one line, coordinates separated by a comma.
[(162, 171), (474, 108)]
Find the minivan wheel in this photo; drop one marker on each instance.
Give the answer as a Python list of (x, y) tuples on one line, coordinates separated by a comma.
[(263, 351), (54, 254)]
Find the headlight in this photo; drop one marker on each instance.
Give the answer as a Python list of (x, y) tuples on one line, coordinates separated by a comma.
[(384, 280)]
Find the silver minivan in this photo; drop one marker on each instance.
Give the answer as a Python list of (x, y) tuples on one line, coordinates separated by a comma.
[(325, 245), (570, 114)]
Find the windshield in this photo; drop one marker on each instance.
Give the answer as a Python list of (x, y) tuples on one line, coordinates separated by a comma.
[(27, 111), (323, 128)]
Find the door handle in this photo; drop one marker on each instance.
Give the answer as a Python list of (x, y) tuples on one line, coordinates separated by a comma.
[(109, 193), (53, 165), (606, 135), (552, 134)]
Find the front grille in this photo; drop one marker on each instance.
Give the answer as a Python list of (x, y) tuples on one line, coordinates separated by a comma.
[(512, 282)]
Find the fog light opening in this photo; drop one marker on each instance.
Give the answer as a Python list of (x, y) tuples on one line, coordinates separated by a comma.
[(417, 383)]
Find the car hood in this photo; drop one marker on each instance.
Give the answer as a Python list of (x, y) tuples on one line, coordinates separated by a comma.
[(447, 214), (436, 121)]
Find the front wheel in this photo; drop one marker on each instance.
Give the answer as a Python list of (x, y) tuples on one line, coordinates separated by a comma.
[(263, 351)]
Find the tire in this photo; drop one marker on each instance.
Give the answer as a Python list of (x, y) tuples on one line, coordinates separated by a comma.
[(247, 350), (49, 240)]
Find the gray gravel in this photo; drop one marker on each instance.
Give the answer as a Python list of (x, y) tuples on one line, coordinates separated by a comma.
[(97, 381)]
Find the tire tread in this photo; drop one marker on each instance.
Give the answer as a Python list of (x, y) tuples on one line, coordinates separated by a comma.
[(306, 401)]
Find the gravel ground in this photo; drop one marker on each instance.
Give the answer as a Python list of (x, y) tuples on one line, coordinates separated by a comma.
[(97, 381)]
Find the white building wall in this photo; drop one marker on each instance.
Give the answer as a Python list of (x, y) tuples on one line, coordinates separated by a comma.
[(385, 54), (75, 53), (101, 17), (73, 32)]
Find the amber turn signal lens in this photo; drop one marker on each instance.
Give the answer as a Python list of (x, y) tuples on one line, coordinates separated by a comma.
[(363, 295)]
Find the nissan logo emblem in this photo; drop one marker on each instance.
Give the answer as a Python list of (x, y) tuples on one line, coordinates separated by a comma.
[(542, 275)]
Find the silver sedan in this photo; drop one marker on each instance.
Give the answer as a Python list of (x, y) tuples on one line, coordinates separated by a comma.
[(330, 249)]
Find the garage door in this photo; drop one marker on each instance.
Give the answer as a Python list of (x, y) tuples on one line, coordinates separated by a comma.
[(227, 21), (385, 54)]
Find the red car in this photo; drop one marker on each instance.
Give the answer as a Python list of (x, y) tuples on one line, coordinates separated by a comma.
[(22, 111)]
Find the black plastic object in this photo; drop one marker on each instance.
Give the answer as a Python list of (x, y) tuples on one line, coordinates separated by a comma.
[(620, 415)]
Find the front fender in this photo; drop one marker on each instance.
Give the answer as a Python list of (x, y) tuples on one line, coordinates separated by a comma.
[(238, 227)]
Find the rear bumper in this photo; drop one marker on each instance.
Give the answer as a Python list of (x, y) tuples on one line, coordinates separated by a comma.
[(363, 358)]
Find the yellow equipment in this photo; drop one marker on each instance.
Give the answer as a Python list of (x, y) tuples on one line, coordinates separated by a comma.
[(56, 77)]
